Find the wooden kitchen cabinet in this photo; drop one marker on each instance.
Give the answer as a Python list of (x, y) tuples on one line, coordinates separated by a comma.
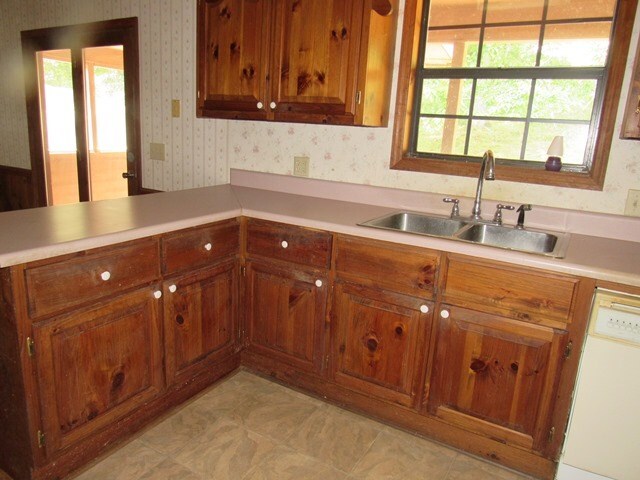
[(381, 317), (496, 376), (313, 61), (286, 291), (200, 320), (96, 365)]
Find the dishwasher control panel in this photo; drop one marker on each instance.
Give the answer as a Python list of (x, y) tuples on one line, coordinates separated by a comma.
[(616, 316)]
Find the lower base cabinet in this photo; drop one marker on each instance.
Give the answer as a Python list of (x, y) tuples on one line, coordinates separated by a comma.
[(96, 365)]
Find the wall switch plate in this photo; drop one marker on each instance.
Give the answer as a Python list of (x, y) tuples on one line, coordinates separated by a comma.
[(633, 203), (175, 108), (156, 151), (301, 166)]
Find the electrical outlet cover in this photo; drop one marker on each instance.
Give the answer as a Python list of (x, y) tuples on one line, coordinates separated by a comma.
[(301, 166)]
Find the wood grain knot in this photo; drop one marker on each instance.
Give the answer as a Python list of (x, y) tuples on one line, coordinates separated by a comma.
[(216, 52), (372, 344), (225, 13), (295, 5), (234, 47), (321, 77), (399, 330), (343, 33), (179, 319), (514, 366), (93, 413), (304, 80), (249, 72), (117, 381), (478, 365)]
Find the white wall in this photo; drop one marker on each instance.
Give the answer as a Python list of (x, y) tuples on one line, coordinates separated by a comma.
[(200, 152)]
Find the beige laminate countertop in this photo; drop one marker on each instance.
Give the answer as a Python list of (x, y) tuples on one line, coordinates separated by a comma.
[(47, 232)]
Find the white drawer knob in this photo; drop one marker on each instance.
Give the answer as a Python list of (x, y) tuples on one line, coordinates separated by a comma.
[(157, 294), (318, 283), (105, 275), (444, 313), (207, 247), (284, 244), (260, 105), (424, 308), (272, 105), (173, 288)]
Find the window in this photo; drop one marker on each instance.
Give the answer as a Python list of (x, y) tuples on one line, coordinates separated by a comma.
[(510, 76)]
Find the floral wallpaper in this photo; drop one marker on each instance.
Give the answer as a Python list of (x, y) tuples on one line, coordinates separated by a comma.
[(201, 151)]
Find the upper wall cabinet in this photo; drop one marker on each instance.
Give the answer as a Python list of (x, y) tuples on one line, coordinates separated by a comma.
[(312, 61)]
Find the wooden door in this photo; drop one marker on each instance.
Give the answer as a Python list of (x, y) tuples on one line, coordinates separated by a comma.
[(96, 365), (286, 314), (233, 58), (496, 376), (200, 320), (314, 62), (379, 341)]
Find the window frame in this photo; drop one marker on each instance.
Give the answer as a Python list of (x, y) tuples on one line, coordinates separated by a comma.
[(592, 179)]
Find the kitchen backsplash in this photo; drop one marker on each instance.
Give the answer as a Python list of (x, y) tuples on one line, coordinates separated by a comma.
[(201, 151)]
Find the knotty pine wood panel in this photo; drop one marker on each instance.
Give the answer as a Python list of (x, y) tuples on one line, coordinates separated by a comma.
[(187, 249), (522, 293), (114, 351), (15, 189)]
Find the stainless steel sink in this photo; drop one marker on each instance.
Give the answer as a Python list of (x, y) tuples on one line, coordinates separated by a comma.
[(417, 223), (532, 241), (525, 240)]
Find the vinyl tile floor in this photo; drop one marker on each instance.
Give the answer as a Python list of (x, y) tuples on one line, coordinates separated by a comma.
[(249, 428)]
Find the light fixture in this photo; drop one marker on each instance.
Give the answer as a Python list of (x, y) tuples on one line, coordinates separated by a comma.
[(555, 151)]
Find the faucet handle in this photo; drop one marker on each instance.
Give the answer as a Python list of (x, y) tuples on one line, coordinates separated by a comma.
[(497, 218), (525, 207), (455, 210)]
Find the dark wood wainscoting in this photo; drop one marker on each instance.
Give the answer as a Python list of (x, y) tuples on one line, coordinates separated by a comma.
[(16, 191)]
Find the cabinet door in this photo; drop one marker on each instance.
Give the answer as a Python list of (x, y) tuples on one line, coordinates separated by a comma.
[(316, 47), (96, 365), (233, 45), (286, 314), (379, 341), (496, 376), (200, 320)]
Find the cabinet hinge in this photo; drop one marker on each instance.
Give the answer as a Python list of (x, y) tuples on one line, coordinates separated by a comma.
[(41, 439), (358, 97), (568, 349), (198, 94), (31, 347), (552, 433), (243, 271)]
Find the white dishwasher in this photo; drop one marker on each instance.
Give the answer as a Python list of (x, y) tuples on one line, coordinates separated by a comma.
[(603, 439)]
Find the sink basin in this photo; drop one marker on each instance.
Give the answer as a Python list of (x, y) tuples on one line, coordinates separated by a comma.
[(417, 223), (532, 241), (552, 244)]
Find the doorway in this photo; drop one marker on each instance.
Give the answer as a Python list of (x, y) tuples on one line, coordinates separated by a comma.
[(82, 93)]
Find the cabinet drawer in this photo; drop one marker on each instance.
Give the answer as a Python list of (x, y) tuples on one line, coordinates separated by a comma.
[(199, 246), (520, 293), (289, 243), (386, 265), (90, 276)]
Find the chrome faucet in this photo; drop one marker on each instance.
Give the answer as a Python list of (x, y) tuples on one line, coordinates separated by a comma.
[(490, 175)]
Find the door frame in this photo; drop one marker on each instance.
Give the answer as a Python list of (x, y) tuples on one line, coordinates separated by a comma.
[(123, 32)]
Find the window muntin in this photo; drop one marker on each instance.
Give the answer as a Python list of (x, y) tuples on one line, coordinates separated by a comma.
[(510, 76)]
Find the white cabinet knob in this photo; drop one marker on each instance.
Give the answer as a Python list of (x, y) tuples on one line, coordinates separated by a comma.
[(424, 308), (318, 283), (157, 294), (173, 288), (105, 275), (272, 105), (444, 313), (207, 247), (259, 105), (284, 244)]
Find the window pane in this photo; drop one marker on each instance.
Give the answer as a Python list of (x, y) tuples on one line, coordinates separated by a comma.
[(452, 48), (564, 99), (503, 137), (446, 96), (510, 11), (510, 46), (58, 97), (576, 45), (541, 135), (110, 112), (502, 98), (455, 12), (442, 135), (561, 9)]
